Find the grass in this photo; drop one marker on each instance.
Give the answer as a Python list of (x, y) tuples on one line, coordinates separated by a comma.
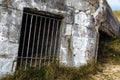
[(53, 72), (109, 52), (117, 13)]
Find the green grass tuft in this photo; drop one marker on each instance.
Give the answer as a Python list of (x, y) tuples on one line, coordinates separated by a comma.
[(53, 72), (117, 13), (109, 51)]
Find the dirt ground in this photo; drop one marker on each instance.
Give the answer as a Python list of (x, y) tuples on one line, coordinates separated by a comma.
[(109, 72)]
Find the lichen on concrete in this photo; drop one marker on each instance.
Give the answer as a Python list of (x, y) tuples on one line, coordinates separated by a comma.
[(80, 30)]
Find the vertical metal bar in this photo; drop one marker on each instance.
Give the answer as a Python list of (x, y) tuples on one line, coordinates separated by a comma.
[(47, 40), (33, 40), (29, 40), (24, 39), (51, 39), (59, 40), (42, 42), (55, 41), (38, 41)]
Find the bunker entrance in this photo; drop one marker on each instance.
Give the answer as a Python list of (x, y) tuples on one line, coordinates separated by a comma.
[(39, 40), (104, 49)]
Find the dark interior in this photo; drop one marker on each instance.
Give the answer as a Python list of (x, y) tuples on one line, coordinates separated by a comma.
[(39, 37), (104, 39)]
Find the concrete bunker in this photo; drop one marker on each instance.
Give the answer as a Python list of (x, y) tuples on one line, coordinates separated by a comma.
[(39, 39), (79, 35)]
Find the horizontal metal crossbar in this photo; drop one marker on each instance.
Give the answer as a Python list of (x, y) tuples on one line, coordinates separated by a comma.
[(35, 58), (42, 16), (39, 41)]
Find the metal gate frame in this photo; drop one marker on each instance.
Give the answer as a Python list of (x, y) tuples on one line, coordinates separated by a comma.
[(24, 61)]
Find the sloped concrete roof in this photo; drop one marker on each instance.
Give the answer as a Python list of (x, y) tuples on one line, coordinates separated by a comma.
[(107, 20)]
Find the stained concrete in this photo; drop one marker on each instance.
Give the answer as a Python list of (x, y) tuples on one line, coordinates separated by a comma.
[(80, 31)]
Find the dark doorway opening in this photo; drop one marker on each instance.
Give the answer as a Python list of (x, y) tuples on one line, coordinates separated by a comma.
[(39, 40), (104, 49)]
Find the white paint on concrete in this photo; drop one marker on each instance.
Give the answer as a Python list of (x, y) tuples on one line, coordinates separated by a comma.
[(5, 65), (63, 55), (3, 39), (82, 19), (79, 47), (78, 40), (68, 29)]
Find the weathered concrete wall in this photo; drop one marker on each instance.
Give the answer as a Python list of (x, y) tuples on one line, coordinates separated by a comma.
[(78, 46), (9, 35), (10, 25), (79, 36)]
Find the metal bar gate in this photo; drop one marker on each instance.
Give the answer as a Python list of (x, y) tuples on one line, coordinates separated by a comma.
[(39, 40)]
